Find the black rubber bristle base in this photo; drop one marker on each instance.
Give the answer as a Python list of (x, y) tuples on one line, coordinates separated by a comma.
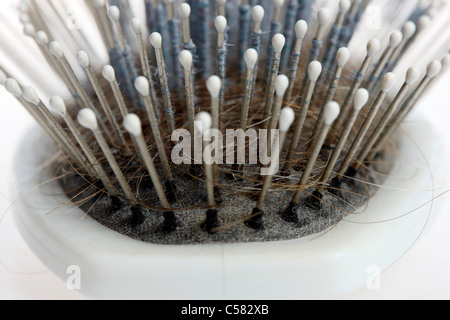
[(137, 216), (212, 221), (314, 201), (290, 214), (117, 204), (256, 221), (171, 222), (335, 186)]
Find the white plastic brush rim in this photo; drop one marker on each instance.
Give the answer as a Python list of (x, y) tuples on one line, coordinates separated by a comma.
[(327, 265)]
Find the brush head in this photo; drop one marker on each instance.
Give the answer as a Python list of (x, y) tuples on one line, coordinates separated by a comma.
[(220, 23), (136, 25), (142, 86), (434, 68), (114, 13), (412, 75), (108, 73), (251, 58), (185, 10), (408, 29), (156, 40), (287, 117), (185, 58), (13, 87), (214, 84), (395, 39), (31, 96), (56, 50), (58, 105), (331, 112), (83, 59), (41, 38), (314, 70), (324, 16), (372, 47), (301, 28), (257, 14), (278, 42), (361, 98), (86, 118), (342, 56), (203, 122), (281, 84), (388, 82), (132, 124)]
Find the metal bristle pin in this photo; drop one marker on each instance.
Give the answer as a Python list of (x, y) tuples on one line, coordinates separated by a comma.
[(140, 82)]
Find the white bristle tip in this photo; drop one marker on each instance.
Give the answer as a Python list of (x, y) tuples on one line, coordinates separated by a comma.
[(287, 117), (24, 18), (185, 58), (185, 10), (412, 75), (214, 84), (281, 84), (29, 29), (156, 40), (133, 124), (2, 78), (58, 105), (83, 58), (221, 2), (314, 70), (31, 96), (342, 56), (257, 13), (56, 50), (142, 86), (41, 38), (395, 39), (136, 25), (277, 3), (114, 13), (408, 30), (86, 117), (331, 112), (361, 98), (278, 42), (220, 23), (344, 5), (203, 122), (434, 68), (301, 28), (109, 73), (372, 47), (324, 16), (99, 3), (388, 82), (446, 61), (12, 86), (423, 22), (250, 58)]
